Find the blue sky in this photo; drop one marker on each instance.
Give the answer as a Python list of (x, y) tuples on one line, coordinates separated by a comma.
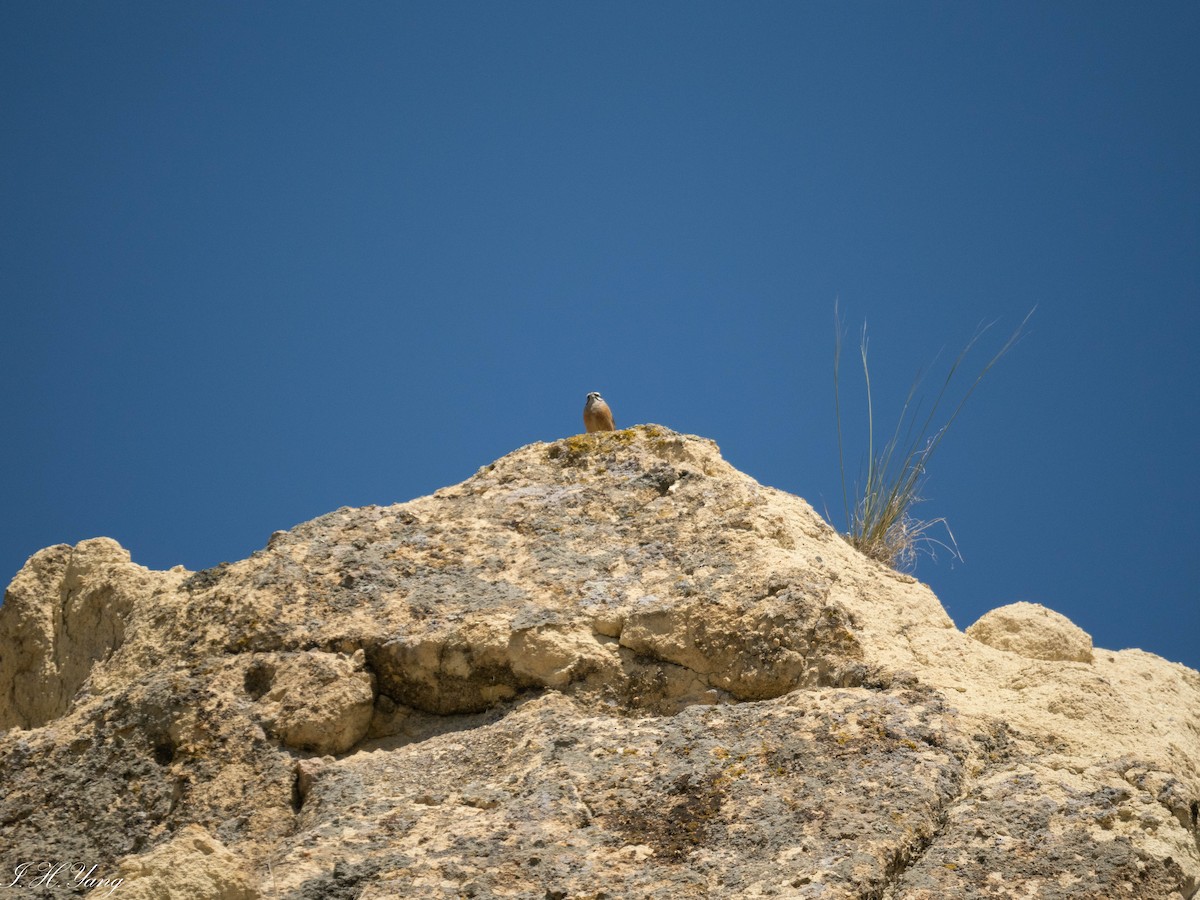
[(259, 261)]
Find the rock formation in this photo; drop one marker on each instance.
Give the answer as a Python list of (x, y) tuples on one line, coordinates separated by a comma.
[(610, 666)]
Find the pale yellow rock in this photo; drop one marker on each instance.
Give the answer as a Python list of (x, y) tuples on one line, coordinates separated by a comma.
[(193, 865), (609, 660), (319, 701), (67, 609), (1032, 630)]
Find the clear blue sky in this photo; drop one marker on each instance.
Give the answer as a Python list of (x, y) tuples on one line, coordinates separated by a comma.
[(262, 260)]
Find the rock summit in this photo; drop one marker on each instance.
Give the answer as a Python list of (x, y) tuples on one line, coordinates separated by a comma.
[(605, 667)]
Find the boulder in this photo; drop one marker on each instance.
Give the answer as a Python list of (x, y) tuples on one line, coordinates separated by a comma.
[(1031, 630)]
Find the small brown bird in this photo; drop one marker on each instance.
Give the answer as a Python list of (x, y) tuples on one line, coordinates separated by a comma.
[(596, 414)]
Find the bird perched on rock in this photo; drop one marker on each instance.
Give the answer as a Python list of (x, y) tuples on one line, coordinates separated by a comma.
[(596, 414)]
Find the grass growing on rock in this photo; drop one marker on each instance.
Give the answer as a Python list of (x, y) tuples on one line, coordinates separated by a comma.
[(880, 522)]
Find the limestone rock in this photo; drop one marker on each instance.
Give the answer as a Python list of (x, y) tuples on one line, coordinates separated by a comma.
[(607, 666), (1031, 630), (190, 865), (729, 799), (314, 701), (66, 609)]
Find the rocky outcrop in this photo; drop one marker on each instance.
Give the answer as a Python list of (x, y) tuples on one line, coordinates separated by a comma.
[(312, 700), (1033, 631), (67, 609), (610, 666), (190, 864)]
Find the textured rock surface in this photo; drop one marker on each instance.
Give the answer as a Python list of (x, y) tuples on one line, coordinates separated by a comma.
[(66, 609), (190, 864), (315, 701), (611, 666), (1034, 631)]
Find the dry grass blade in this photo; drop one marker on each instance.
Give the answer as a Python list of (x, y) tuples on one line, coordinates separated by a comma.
[(880, 521)]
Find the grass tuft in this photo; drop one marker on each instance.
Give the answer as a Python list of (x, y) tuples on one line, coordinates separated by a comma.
[(880, 522)]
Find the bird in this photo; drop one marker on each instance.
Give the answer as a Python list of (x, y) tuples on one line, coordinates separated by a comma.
[(596, 414)]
